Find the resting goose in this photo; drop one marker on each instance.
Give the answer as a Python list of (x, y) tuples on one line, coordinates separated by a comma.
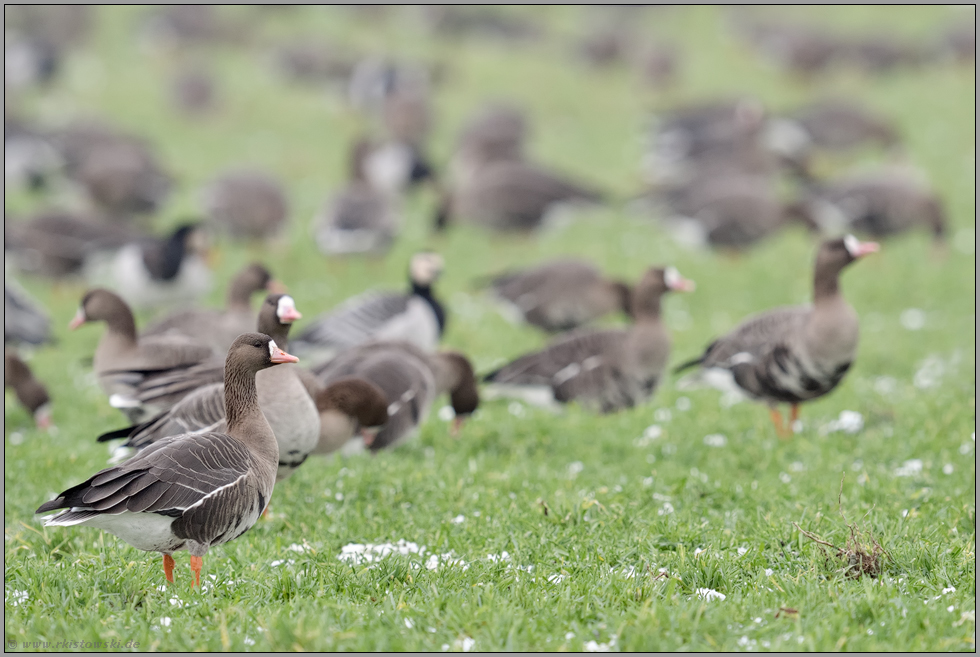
[(179, 399), (30, 392), (560, 295), (219, 328), (417, 317), (158, 272), (794, 354), (23, 320), (122, 360), (246, 204), (607, 370), (410, 380), (190, 491)]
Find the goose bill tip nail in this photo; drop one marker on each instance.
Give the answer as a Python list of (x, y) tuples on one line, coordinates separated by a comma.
[(77, 320)]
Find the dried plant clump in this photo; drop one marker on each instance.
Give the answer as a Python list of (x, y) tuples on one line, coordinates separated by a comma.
[(862, 554)]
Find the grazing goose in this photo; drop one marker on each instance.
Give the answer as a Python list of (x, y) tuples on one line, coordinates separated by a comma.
[(30, 392), (607, 370), (122, 178), (122, 360), (410, 379), (348, 406), (839, 125), (282, 395), (156, 273), (496, 132), (246, 204), (560, 295), (192, 92), (23, 320), (794, 354), (190, 491), (219, 328), (161, 392), (417, 317)]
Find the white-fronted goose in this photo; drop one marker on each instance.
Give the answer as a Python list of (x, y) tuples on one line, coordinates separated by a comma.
[(560, 295), (348, 406), (498, 131), (283, 398), (156, 273), (192, 92), (30, 392), (23, 319), (123, 178), (219, 328), (417, 316), (794, 354), (607, 370), (246, 204), (191, 491), (411, 379), (121, 359)]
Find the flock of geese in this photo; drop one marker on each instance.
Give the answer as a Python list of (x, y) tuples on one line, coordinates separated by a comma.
[(217, 409)]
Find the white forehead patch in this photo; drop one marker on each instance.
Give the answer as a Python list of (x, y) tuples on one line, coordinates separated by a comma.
[(672, 277), (273, 348), (852, 245), (285, 303)]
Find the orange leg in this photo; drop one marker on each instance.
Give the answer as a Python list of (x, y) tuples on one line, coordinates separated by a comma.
[(777, 420), (168, 567), (794, 414), (196, 564)]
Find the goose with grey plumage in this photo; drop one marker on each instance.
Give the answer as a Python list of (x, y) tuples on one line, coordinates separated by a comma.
[(416, 316), (792, 354), (246, 204), (189, 491), (410, 379), (24, 320), (282, 395), (30, 392), (607, 370)]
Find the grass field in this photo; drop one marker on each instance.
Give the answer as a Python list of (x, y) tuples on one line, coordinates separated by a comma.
[(535, 531)]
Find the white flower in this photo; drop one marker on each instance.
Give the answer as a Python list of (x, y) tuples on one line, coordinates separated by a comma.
[(446, 413), (912, 319), (458, 520), (948, 469), (574, 468), (885, 385), (516, 409), (698, 551), (650, 434), (683, 404), (951, 589), (176, 602), (466, 643), (930, 373), (785, 478), (165, 621), (248, 641), (715, 440), (282, 562), (769, 572), (709, 594), (742, 551), (296, 547), (662, 415), (593, 646), (569, 635), (910, 468), (409, 624), (358, 553), (847, 421), (556, 579), (666, 509), (15, 598)]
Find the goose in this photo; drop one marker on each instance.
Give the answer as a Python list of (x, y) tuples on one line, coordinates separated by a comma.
[(282, 396), (192, 92), (498, 131), (190, 491), (30, 392), (348, 406), (603, 369), (246, 204), (560, 295), (24, 320), (839, 125), (122, 360), (792, 354), (122, 178), (410, 379), (155, 273), (219, 328), (417, 316)]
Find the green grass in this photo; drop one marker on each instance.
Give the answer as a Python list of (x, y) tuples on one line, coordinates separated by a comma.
[(592, 511)]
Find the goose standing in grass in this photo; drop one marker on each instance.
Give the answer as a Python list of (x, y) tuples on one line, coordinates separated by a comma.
[(608, 369), (23, 319), (156, 273), (282, 396), (30, 392), (246, 204), (793, 354), (560, 295), (410, 379), (219, 328), (122, 360), (416, 316), (348, 406), (190, 491)]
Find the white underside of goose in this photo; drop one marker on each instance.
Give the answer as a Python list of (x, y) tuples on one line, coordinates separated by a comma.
[(146, 531), (417, 325), (125, 272), (533, 395), (361, 240)]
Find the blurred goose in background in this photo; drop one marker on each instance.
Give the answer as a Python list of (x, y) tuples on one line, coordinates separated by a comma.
[(24, 320), (410, 379), (30, 161), (560, 295), (219, 328), (246, 204), (498, 131), (607, 370), (658, 64), (122, 360), (879, 203), (122, 178), (30, 392), (192, 92), (802, 49), (57, 243), (489, 22), (416, 316), (37, 38), (191, 491), (314, 62), (153, 273), (282, 396), (792, 354)]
